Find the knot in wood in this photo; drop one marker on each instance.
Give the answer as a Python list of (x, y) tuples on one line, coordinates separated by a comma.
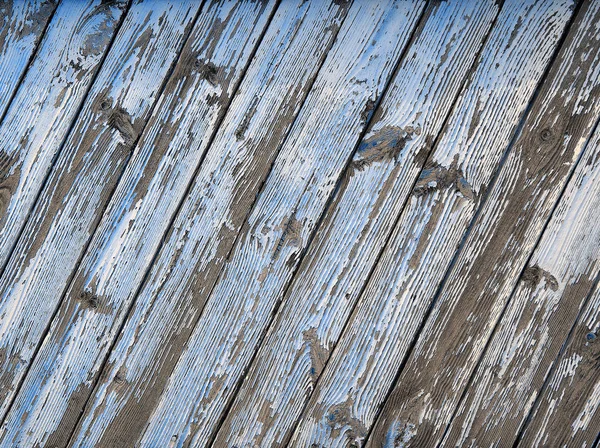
[(546, 135)]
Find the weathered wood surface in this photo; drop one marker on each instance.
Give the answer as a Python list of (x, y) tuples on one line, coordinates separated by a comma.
[(48, 99), (357, 224), (152, 185), (363, 365), (280, 226), (500, 241), (568, 410), (203, 233), (541, 312), (22, 25), (80, 185)]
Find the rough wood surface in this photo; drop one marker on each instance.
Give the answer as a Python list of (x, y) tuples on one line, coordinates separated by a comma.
[(187, 266), (499, 244), (363, 365), (80, 184), (152, 185), (49, 97), (22, 26), (541, 312), (568, 411), (357, 224), (281, 224)]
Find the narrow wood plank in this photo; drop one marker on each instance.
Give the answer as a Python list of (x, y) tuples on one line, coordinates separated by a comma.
[(195, 98), (281, 224), (187, 266), (364, 363), (499, 244), (357, 224), (568, 412), (47, 102), (83, 179), (539, 316), (22, 25)]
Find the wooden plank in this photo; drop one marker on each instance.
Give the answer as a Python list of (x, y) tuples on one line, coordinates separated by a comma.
[(281, 224), (502, 238), (539, 316), (22, 25), (47, 102), (155, 180), (363, 366), (187, 266), (568, 412), (83, 178), (357, 224)]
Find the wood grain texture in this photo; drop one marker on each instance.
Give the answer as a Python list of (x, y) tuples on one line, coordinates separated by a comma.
[(568, 412), (501, 240), (364, 363), (40, 115), (22, 25), (281, 224), (541, 312), (354, 230), (80, 185), (154, 182), (203, 233)]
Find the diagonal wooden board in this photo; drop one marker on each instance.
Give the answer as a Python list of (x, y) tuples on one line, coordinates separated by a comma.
[(187, 266), (174, 141), (22, 25), (501, 240), (543, 307), (46, 104), (354, 230), (568, 409), (280, 226), (364, 363), (83, 178)]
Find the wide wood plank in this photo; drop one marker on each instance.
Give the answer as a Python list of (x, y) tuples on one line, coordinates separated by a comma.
[(153, 184), (203, 233), (22, 25), (82, 180), (541, 311), (281, 224), (499, 244), (39, 117), (568, 411), (356, 226), (364, 363)]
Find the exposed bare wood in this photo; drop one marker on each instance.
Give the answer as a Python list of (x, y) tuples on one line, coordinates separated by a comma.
[(363, 365), (495, 252), (222, 194), (40, 115), (80, 184), (295, 194), (357, 224), (22, 26), (568, 413), (154, 181)]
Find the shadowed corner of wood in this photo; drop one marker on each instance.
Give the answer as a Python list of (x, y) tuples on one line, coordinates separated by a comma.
[(533, 275), (435, 177), (385, 145)]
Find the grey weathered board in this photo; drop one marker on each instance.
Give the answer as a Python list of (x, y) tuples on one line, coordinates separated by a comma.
[(499, 244), (299, 223), (203, 233), (161, 167), (364, 363), (80, 184), (357, 224), (22, 25)]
